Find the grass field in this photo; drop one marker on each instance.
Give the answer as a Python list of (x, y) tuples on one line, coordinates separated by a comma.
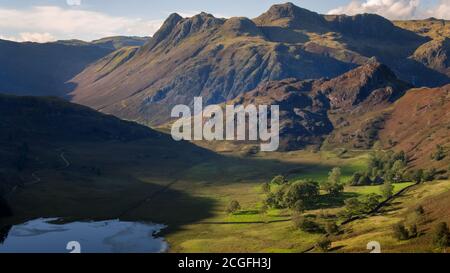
[(190, 197)]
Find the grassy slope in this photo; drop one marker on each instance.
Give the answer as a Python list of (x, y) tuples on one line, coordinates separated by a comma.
[(434, 197)]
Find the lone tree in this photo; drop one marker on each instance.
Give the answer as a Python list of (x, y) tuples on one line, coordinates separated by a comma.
[(334, 176), (333, 186), (332, 228), (441, 236), (387, 190), (233, 207), (324, 244)]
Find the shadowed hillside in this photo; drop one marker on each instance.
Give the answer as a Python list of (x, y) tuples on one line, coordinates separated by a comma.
[(44, 69)]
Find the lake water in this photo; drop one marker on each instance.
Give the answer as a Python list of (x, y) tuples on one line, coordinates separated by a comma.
[(113, 236)]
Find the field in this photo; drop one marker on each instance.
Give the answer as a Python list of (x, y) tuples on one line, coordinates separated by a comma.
[(190, 197)]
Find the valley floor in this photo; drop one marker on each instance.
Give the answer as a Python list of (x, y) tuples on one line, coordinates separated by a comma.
[(191, 199)]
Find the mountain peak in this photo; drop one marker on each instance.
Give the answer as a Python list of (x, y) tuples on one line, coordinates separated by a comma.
[(289, 15), (165, 30)]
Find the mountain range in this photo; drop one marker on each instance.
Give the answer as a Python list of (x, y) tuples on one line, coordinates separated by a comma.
[(338, 79), (220, 59)]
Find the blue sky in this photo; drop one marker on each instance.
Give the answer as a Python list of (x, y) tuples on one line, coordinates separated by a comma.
[(46, 20)]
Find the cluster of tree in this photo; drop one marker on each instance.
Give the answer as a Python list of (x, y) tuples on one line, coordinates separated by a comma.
[(402, 233), (441, 236), (360, 206), (294, 195), (392, 167), (306, 224), (324, 244)]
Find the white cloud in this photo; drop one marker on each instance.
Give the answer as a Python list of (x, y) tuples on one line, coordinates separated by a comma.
[(442, 10), (392, 9), (52, 21), (30, 37), (396, 9), (73, 2)]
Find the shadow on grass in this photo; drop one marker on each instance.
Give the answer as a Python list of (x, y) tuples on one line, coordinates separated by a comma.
[(330, 202), (247, 212)]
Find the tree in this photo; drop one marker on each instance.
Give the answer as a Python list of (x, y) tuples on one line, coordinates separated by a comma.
[(266, 188), (356, 206), (299, 206), (441, 236), (377, 146), (397, 170), (334, 177), (355, 178), (420, 211), (332, 228), (429, 175), (324, 244), (279, 180), (387, 190), (400, 232), (333, 189), (440, 153), (233, 207), (413, 232), (301, 190), (306, 225), (333, 186), (417, 175)]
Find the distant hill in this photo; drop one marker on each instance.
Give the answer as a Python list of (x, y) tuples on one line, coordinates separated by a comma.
[(431, 27), (113, 43), (44, 69), (219, 59)]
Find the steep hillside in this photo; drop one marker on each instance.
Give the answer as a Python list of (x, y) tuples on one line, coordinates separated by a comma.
[(219, 59), (418, 123), (34, 129), (43, 69)]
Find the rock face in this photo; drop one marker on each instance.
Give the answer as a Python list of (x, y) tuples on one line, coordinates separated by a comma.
[(311, 110), (220, 59)]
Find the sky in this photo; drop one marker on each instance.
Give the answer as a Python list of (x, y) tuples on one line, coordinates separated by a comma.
[(50, 20)]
